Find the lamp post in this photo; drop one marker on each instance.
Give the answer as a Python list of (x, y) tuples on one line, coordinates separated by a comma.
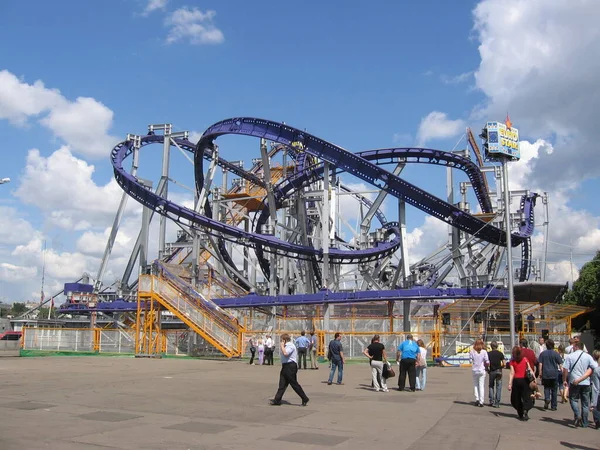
[(511, 291), (501, 144), (5, 180)]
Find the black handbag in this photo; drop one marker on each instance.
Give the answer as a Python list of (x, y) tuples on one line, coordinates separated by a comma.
[(388, 371), (530, 377)]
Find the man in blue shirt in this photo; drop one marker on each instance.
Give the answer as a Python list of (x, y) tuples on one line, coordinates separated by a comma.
[(407, 356), (577, 370), (336, 356), (302, 343), (289, 371), (549, 366)]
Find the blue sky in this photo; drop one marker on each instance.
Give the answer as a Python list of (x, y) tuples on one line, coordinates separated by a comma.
[(383, 75)]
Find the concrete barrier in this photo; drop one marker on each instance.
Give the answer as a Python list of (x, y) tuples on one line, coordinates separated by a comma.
[(10, 348)]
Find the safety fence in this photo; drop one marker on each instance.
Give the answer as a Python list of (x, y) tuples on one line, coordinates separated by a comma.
[(353, 343), (79, 340)]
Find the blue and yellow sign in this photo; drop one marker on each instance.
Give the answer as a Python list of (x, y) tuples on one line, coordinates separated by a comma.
[(502, 140)]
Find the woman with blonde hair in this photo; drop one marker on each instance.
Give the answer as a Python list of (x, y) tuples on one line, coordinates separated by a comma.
[(421, 366), (479, 362)]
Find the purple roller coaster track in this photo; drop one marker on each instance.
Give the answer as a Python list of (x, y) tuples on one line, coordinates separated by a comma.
[(364, 165)]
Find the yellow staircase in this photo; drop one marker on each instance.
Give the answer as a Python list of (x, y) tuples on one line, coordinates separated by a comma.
[(203, 316)]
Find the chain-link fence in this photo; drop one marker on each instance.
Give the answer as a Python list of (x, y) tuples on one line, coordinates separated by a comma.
[(60, 339)]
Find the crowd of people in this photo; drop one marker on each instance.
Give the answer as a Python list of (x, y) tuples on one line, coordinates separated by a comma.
[(560, 372)]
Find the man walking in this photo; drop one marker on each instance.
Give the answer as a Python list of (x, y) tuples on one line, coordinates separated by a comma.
[(577, 370), (289, 371), (496, 358), (335, 354), (407, 356), (313, 346), (302, 344), (549, 366)]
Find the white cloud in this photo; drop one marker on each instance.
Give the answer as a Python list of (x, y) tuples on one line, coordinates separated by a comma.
[(70, 197), (154, 5), (19, 100), (194, 136), (193, 25), (13, 229), (423, 240), (82, 124), (13, 273), (534, 65), (436, 125), (561, 272), (456, 79)]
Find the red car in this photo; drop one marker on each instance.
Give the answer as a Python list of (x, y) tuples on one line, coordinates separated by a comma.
[(11, 335)]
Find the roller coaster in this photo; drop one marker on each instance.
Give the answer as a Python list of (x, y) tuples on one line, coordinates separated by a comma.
[(275, 237)]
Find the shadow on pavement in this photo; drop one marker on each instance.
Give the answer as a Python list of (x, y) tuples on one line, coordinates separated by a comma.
[(564, 422), (576, 446)]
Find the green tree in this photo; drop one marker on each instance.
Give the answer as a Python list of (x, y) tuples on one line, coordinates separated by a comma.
[(18, 309), (586, 290), (43, 313)]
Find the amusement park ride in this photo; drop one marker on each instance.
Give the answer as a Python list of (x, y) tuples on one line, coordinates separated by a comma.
[(273, 242)]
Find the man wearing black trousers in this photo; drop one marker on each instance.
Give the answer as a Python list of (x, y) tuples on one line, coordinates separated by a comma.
[(289, 371), (407, 355)]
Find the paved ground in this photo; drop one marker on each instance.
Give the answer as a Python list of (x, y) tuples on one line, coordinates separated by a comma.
[(98, 402)]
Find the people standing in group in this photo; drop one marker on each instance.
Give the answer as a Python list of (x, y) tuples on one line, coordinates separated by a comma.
[(421, 366), (479, 364), (407, 356), (549, 367), (377, 358), (269, 350), (496, 359), (518, 384), (289, 371), (595, 406), (577, 370), (252, 348), (302, 344), (261, 352), (313, 347), (335, 354)]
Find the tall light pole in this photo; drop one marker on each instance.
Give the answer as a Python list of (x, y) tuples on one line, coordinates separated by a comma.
[(5, 180), (501, 143), (511, 291)]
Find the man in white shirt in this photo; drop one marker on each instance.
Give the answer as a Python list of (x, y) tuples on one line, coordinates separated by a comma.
[(289, 371), (269, 350), (541, 347), (574, 339), (577, 370)]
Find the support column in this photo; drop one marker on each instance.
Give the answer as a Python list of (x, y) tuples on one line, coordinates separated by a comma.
[(406, 316), (165, 191), (146, 215), (325, 213)]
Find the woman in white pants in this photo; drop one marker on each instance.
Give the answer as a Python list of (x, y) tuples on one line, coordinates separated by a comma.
[(479, 361), (376, 354)]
